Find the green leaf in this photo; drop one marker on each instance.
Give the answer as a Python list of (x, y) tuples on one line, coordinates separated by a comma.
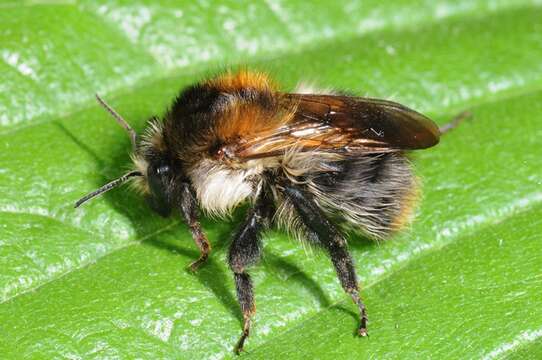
[(109, 280)]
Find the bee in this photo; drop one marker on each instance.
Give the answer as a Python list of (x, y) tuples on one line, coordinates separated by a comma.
[(317, 164)]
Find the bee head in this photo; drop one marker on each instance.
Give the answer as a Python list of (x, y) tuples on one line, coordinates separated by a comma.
[(153, 174), (153, 160)]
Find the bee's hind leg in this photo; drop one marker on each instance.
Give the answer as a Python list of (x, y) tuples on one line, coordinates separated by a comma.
[(452, 124), (322, 231), (190, 212)]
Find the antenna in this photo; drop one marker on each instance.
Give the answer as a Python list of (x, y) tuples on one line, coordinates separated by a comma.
[(131, 133), (110, 185)]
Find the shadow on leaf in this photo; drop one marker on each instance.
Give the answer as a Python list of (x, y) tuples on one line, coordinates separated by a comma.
[(291, 272)]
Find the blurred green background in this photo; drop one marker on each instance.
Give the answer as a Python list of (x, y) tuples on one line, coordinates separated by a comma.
[(109, 280)]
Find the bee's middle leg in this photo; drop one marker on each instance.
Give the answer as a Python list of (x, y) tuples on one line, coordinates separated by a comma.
[(326, 235), (244, 251)]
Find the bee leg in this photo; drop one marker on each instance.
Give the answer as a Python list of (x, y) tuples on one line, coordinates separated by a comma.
[(323, 232), (245, 251), (202, 243), (190, 212), (452, 124)]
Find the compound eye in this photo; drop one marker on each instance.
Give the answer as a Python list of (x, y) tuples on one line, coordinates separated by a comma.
[(162, 170)]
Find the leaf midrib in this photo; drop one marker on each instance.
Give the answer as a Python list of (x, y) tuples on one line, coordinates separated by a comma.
[(93, 261)]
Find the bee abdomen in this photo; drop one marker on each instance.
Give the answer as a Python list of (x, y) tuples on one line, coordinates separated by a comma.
[(374, 194)]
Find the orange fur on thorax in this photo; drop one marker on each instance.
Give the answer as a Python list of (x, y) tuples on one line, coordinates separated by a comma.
[(250, 121), (233, 82)]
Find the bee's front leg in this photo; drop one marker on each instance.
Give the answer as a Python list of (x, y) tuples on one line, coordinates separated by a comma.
[(190, 213), (202, 243)]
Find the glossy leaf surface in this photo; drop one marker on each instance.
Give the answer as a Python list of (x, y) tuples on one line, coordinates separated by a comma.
[(109, 280)]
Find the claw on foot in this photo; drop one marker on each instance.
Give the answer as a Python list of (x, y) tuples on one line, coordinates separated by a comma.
[(194, 266), (239, 347)]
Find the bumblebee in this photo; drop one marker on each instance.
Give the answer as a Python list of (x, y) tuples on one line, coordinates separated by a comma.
[(316, 164)]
